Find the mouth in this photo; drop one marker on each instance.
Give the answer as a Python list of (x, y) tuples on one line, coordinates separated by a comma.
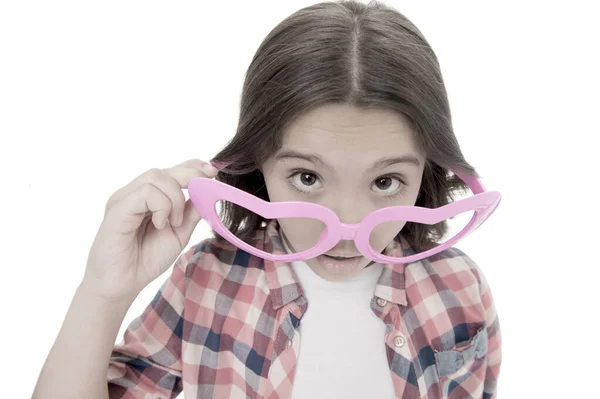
[(342, 257), (336, 265)]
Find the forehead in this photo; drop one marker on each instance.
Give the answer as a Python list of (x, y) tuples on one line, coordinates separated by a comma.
[(340, 129)]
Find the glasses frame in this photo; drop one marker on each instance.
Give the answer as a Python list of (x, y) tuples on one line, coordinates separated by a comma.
[(205, 192)]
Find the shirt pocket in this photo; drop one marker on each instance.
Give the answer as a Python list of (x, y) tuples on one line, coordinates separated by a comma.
[(461, 369)]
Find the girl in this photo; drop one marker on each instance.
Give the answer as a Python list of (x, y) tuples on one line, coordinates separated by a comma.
[(344, 106)]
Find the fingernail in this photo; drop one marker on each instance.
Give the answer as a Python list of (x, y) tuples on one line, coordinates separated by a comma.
[(209, 169)]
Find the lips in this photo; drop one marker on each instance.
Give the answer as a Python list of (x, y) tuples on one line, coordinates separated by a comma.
[(339, 257), (334, 266)]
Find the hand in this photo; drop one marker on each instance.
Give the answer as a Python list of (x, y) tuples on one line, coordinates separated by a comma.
[(146, 226)]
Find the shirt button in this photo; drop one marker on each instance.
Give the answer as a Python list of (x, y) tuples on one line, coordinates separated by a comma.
[(381, 302), (399, 341), (289, 343)]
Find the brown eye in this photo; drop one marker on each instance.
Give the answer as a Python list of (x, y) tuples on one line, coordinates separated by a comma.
[(307, 179), (385, 185), (384, 182), (305, 182)]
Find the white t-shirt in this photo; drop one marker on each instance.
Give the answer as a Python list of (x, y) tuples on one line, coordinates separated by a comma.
[(342, 350)]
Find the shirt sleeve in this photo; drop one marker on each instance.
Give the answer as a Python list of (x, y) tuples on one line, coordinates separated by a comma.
[(147, 362), (494, 347)]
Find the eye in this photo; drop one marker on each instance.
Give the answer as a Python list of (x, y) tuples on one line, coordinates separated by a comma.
[(303, 181), (307, 183), (385, 182), (396, 182)]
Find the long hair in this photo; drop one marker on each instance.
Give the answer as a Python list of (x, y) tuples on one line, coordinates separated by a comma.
[(366, 55)]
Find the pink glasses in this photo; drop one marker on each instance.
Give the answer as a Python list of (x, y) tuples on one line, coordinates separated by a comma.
[(205, 193)]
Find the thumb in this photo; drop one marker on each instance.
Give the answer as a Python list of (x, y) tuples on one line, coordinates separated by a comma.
[(191, 218)]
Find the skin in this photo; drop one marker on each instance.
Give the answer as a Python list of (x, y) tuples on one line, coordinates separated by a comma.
[(349, 141)]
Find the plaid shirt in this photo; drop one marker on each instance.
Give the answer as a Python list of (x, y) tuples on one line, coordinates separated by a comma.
[(224, 325)]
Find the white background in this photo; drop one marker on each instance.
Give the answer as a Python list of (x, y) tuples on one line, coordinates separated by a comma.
[(94, 93)]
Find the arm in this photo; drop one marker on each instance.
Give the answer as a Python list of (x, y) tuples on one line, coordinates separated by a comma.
[(78, 361), (148, 360), (85, 362)]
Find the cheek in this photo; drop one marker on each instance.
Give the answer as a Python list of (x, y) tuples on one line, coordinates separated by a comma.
[(410, 195), (279, 190), (302, 233), (384, 233), (414, 192)]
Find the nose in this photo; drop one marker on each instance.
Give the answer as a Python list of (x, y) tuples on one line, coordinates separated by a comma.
[(350, 209), (349, 231)]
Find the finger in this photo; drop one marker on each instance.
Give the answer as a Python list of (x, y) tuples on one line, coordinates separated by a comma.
[(181, 175), (131, 210), (197, 164), (154, 176), (191, 218), (171, 188), (192, 163)]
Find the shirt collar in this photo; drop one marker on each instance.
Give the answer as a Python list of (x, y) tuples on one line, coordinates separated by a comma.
[(285, 286)]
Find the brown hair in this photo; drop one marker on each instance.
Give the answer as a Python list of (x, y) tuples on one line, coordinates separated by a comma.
[(366, 55)]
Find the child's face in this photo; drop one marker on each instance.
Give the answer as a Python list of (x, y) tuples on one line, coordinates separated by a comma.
[(350, 141)]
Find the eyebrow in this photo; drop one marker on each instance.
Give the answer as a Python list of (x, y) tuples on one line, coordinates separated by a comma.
[(382, 163)]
